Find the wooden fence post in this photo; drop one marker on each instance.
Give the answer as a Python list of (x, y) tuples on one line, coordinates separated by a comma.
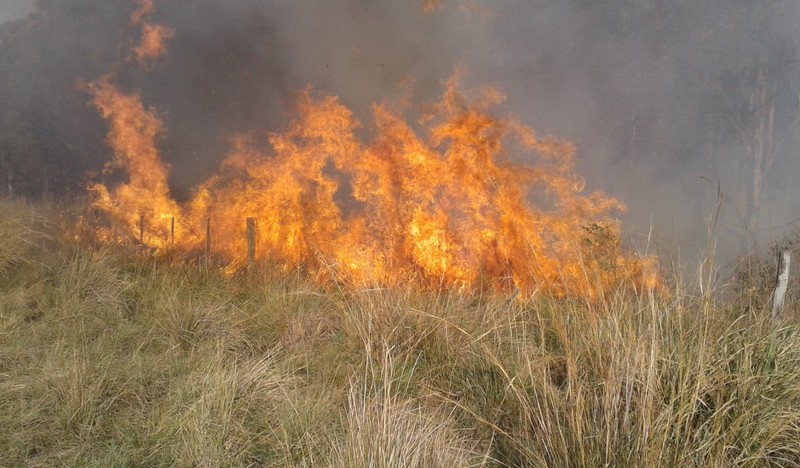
[(251, 242), (141, 229), (782, 284), (208, 238)]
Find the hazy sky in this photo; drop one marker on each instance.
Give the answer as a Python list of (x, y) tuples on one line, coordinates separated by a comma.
[(14, 9)]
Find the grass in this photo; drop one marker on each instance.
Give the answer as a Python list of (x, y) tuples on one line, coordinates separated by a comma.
[(108, 359)]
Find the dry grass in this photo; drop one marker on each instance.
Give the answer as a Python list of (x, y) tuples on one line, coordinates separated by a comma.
[(114, 361)]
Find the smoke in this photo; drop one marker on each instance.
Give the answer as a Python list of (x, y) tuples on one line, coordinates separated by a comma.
[(15, 9), (234, 67), (658, 95)]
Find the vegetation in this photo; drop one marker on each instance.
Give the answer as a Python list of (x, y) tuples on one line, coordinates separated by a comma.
[(108, 359)]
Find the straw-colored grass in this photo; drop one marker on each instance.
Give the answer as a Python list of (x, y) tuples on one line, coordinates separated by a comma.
[(114, 360)]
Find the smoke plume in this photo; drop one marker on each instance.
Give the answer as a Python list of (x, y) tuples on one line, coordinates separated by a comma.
[(666, 101)]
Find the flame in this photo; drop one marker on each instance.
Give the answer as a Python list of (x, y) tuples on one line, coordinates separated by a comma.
[(144, 198), (475, 202), (429, 6), (152, 44), (146, 8)]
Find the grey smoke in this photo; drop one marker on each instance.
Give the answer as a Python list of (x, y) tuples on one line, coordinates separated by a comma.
[(655, 93), (15, 9)]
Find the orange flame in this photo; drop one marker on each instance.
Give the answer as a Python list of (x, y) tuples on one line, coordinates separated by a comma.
[(479, 202), (429, 6), (132, 135), (146, 8), (152, 44)]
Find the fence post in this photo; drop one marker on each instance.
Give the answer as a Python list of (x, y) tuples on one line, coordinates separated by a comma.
[(141, 229), (251, 242), (782, 284), (208, 238)]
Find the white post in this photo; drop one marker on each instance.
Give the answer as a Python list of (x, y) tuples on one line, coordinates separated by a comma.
[(783, 284)]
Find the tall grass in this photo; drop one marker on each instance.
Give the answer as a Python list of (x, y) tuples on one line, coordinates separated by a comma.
[(108, 360), (20, 230)]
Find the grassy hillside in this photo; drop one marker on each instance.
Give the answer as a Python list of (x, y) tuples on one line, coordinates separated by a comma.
[(108, 359)]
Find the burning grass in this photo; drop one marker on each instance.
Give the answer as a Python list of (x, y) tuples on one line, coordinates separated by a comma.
[(471, 202), (109, 360)]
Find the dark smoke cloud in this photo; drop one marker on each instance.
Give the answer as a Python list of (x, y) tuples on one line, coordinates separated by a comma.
[(234, 66), (656, 93)]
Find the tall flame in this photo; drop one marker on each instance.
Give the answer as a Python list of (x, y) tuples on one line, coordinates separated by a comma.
[(144, 197), (455, 207)]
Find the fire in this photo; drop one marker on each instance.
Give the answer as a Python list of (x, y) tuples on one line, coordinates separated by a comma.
[(475, 202), (472, 202), (152, 44), (145, 8), (429, 6), (144, 198)]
